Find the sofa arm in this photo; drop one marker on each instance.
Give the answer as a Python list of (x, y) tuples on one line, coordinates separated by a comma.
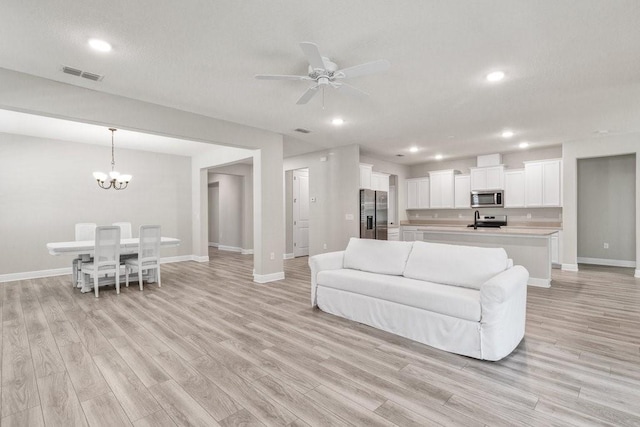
[(502, 287), (318, 263), (503, 302)]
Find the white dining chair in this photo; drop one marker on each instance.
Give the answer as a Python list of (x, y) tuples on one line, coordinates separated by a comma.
[(148, 254), (84, 231), (106, 258), (125, 229)]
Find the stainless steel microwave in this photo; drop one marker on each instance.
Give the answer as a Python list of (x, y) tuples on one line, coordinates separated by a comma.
[(487, 199)]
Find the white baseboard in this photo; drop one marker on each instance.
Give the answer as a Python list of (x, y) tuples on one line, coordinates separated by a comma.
[(213, 244), (569, 267), (608, 262), (11, 277), (287, 256), (229, 248), (266, 278), (246, 251), (541, 283)]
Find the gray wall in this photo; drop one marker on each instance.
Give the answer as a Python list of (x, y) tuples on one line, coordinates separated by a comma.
[(235, 206), (230, 209), (606, 207), (48, 188), (214, 213), (335, 183)]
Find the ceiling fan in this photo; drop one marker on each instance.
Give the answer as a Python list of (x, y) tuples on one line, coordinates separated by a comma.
[(326, 73)]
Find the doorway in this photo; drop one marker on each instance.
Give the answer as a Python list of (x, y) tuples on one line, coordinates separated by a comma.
[(300, 212)]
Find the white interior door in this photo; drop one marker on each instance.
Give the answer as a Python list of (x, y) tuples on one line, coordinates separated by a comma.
[(301, 212)]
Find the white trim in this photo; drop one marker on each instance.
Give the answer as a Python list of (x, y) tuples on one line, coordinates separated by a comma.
[(265, 278), (229, 248), (608, 262), (569, 267), (213, 244), (246, 251), (287, 256), (540, 283), (11, 277), (637, 273)]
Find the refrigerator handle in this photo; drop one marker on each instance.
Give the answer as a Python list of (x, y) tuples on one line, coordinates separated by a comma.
[(370, 222)]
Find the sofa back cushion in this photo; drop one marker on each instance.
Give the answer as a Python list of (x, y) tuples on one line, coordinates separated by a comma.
[(377, 256), (466, 266)]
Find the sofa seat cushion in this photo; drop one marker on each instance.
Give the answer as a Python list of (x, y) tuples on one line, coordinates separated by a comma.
[(467, 266), (377, 256), (452, 301)]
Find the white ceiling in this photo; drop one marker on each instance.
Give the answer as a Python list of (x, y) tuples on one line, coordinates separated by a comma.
[(572, 67), (63, 130)]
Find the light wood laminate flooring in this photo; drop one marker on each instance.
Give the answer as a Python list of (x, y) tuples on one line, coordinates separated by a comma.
[(211, 347)]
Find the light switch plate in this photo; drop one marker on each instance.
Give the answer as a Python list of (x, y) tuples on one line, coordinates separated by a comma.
[(348, 217)]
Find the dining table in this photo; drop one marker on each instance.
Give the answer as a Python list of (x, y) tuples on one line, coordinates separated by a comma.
[(83, 250)]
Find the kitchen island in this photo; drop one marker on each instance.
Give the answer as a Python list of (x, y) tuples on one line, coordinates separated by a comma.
[(529, 247)]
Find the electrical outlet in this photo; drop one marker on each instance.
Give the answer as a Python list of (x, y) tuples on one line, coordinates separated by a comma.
[(606, 246), (417, 215), (324, 246), (528, 216), (459, 215), (435, 215), (273, 255), (348, 217)]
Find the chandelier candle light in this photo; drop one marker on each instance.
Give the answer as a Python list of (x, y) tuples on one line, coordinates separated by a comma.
[(114, 179)]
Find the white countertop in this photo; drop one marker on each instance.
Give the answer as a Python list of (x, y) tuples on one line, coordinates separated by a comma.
[(502, 231)]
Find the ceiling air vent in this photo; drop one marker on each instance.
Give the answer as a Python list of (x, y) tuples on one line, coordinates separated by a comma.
[(79, 73), (301, 130)]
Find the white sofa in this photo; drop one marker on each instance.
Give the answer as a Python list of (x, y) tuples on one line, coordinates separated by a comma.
[(462, 299)]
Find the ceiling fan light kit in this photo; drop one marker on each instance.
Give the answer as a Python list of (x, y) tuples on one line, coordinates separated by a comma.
[(325, 73)]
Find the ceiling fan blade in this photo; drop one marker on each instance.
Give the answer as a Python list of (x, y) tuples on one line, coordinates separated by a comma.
[(306, 97), (364, 69), (348, 89), (312, 53), (280, 77)]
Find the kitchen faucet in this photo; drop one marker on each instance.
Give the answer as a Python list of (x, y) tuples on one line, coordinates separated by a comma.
[(476, 217)]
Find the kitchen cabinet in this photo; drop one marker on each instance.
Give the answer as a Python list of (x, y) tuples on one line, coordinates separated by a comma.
[(441, 189), (543, 183), (366, 171), (487, 178), (514, 188), (556, 240), (393, 234), (418, 193), (380, 181), (462, 191)]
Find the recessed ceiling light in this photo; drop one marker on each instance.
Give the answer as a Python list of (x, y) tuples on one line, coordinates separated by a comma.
[(523, 145), (413, 149), (337, 121), (100, 45), (507, 134), (495, 76), (439, 156)]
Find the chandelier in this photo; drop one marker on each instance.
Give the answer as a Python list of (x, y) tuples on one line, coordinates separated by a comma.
[(114, 179)]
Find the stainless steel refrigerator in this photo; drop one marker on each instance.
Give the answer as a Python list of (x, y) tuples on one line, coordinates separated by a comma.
[(373, 214)]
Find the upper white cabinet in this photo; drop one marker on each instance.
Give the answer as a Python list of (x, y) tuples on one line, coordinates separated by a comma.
[(418, 193), (442, 187), (514, 188), (462, 191), (365, 176), (380, 181), (487, 178), (543, 183)]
